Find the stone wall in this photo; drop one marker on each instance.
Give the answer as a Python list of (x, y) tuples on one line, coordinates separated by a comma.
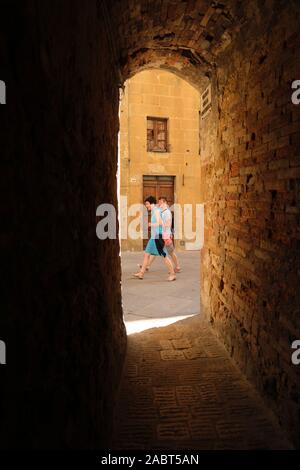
[(61, 310), (250, 173), (251, 181)]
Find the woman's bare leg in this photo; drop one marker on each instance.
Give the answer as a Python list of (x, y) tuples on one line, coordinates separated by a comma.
[(151, 259), (145, 262), (141, 273)]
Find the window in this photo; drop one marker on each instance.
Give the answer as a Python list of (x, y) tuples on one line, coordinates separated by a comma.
[(157, 134)]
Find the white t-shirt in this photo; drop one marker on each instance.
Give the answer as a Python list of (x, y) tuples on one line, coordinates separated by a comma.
[(166, 216)]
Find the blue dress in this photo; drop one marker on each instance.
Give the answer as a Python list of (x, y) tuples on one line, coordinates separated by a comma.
[(155, 245)]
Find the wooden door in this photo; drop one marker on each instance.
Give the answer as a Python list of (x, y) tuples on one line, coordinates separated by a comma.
[(157, 186)]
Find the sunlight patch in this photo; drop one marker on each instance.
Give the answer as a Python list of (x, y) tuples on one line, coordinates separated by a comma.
[(137, 326)]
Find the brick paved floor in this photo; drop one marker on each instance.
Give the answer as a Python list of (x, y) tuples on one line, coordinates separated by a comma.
[(180, 390)]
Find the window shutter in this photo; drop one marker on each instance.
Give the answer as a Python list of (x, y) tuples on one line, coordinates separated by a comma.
[(157, 135)]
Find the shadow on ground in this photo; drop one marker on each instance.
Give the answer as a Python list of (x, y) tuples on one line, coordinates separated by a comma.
[(180, 390)]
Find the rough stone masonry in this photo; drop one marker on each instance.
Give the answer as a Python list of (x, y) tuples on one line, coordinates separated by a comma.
[(250, 146)]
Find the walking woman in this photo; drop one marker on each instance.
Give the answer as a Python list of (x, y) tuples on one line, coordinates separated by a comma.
[(155, 245)]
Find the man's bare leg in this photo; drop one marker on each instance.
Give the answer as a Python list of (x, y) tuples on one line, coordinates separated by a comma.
[(169, 264), (175, 261)]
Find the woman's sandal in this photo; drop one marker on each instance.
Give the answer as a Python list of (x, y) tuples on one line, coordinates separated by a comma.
[(139, 275), (140, 266), (172, 277)]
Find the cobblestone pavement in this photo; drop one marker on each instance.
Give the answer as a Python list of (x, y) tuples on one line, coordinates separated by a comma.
[(180, 390)]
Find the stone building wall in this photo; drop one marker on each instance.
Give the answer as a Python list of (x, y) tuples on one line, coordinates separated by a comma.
[(158, 93)]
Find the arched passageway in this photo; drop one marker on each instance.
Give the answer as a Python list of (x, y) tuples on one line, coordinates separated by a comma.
[(59, 143), (159, 157)]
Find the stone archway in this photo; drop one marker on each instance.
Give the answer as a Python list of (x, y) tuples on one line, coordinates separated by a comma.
[(248, 177)]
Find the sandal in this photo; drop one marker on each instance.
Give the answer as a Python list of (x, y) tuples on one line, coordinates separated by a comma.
[(177, 270), (172, 277), (139, 275)]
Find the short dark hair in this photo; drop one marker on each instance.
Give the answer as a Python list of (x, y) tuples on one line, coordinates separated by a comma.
[(163, 198), (150, 199)]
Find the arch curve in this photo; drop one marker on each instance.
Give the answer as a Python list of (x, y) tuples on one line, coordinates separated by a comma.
[(179, 62)]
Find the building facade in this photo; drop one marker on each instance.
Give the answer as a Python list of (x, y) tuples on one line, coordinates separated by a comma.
[(159, 151)]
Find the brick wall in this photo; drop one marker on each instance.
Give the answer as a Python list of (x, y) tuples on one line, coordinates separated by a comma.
[(251, 181), (250, 169)]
